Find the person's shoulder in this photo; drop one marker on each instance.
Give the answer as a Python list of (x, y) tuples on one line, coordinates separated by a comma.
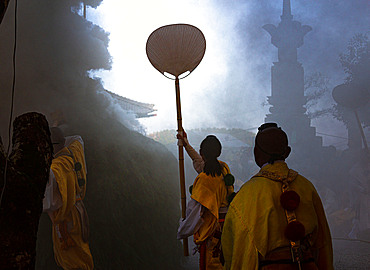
[(254, 180), (224, 164), (250, 186), (303, 180), (207, 181), (224, 168), (304, 185), (245, 195), (203, 177), (200, 178), (72, 139)]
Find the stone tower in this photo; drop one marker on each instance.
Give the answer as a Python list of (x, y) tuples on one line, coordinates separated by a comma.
[(287, 98)]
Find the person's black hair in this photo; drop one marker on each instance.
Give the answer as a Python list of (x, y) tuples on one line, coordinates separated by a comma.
[(210, 148), (279, 155)]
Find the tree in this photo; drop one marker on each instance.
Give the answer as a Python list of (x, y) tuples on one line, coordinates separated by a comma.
[(356, 61), (317, 92), (356, 64)]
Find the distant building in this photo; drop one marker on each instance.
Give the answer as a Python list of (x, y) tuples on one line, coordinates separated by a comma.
[(287, 98), (288, 101), (139, 109)]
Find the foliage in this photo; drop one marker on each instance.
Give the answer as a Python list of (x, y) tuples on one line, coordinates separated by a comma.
[(317, 91), (356, 63), (165, 137), (357, 57)]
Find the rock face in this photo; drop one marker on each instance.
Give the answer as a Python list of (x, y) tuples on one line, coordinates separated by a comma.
[(132, 182)]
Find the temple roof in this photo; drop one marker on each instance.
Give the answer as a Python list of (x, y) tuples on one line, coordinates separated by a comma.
[(140, 109)]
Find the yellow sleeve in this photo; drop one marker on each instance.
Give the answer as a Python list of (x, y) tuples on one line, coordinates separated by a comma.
[(207, 229), (323, 243), (65, 177), (238, 249), (78, 152)]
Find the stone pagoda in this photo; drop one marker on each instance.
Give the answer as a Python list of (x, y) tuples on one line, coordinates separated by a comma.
[(287, 98)]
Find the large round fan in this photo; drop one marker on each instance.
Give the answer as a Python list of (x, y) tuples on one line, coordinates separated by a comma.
[(176, 49), (351, 95)]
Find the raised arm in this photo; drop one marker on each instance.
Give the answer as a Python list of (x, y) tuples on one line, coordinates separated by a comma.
[(198, 162)]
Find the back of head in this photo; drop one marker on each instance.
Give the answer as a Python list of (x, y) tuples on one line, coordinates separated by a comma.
[(210, 149), (57, 139), (271, 143)]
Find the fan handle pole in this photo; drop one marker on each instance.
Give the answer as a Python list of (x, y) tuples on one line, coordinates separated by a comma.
[(181, 162), (361, 130)]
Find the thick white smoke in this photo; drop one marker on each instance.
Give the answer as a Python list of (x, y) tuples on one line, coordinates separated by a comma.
[(233, 80)]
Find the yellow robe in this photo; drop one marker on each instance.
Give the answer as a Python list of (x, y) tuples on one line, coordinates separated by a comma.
[(210, 192), (73, 253), (256, 221)]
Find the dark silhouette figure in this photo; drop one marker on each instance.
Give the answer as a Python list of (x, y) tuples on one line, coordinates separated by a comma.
[(27, 172)]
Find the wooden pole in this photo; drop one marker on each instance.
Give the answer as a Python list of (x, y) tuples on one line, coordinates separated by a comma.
[(361, 130), (181, 162), (84, 11)]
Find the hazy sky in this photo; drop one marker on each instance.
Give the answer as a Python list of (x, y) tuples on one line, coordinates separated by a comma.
[(231, 83)]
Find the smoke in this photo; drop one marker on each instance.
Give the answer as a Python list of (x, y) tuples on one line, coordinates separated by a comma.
[(230, 86), (252, 54), (131, 178), (126, 118), (51, 58), (236, 97), (57, 50)]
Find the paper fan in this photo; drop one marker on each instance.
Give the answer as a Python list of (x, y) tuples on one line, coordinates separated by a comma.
[(176, 49)]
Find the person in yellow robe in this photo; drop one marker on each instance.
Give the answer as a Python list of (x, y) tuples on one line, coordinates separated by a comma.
[(63, 202), (256, 234), (208, 205)]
